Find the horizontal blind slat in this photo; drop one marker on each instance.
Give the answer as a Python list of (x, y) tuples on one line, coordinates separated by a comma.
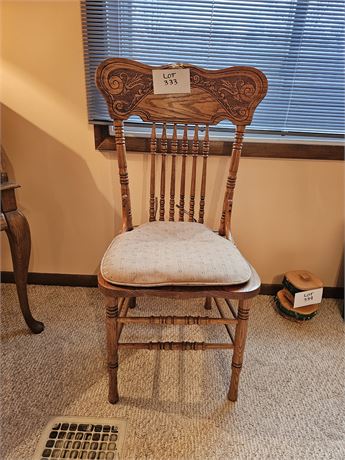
[(297, 43)]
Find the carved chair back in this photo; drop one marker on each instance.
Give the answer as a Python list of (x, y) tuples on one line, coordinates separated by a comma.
[(232, 94)]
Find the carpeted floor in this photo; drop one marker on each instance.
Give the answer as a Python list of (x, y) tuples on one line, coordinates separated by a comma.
[(291, 400)]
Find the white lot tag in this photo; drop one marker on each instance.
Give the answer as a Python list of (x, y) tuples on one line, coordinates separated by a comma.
[(171, 81), (302, 299)]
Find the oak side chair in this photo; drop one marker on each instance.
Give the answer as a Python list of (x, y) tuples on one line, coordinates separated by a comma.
[(170, 256)]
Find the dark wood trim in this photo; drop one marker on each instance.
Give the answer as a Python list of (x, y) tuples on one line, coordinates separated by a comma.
[(101, 133), (328, 291), (54, 279), (69, 279), (270, 289), (104, 142)]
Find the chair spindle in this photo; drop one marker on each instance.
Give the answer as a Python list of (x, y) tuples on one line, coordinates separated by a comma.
[(153, 173), (195, 151), (173, 174), (184, 151), (164, 149), (205, 152)]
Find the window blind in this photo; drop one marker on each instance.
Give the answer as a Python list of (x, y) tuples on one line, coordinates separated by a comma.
[(298, 44)]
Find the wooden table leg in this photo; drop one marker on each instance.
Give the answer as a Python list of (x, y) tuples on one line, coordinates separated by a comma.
[(18, 233)]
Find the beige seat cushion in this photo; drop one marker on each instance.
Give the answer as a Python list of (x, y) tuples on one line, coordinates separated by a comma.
[(173, 253)]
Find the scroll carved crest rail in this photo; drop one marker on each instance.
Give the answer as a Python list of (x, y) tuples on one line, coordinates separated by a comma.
[(234, 92)]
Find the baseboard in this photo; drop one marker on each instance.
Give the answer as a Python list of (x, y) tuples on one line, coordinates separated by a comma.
[(270, 289), (54, 279), (69, 279), (328, 291)]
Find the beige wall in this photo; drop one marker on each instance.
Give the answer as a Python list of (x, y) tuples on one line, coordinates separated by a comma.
[(288, 213)]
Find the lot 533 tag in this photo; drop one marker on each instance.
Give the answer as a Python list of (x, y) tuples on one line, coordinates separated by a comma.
[(302, 299), (171, 81)]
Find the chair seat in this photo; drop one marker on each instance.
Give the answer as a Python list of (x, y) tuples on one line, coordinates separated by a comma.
[(172, 254)]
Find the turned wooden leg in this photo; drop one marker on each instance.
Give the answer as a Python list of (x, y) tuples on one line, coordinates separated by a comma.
[(240, 342), (18, 233), (132, 302), (208, 303), (112, 313)]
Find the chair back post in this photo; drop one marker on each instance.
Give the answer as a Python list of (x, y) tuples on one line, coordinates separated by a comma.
[(225, 220), (123, 173)]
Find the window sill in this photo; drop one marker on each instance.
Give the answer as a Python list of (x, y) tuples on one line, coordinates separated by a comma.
[(254, 147)]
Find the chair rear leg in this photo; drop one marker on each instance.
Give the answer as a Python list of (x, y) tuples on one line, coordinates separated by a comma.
[(208, 303), (132, 302), (240, 341), (112, 313)]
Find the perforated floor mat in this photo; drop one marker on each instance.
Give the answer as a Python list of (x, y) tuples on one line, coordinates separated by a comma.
[(81, 438)]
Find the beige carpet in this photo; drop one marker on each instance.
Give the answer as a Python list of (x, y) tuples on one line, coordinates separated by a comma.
[(291, 401)]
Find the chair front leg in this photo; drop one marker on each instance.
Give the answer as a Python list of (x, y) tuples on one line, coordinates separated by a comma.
[(240, 341), (112, 313), (18, 232)]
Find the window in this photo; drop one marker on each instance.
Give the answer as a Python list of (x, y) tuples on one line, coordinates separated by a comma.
[(298, 44)]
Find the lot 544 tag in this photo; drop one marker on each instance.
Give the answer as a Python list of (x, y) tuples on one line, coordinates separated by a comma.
[(302, 299), (171, 81)]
